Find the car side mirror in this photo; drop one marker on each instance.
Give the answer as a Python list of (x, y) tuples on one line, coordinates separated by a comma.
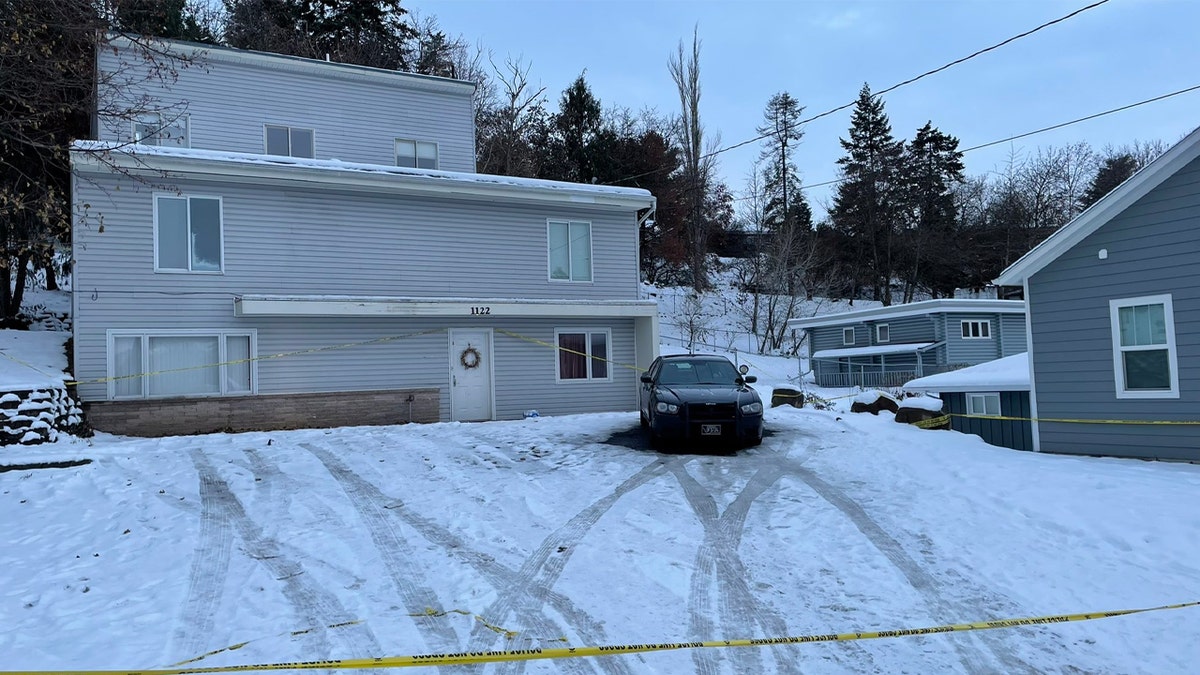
[(749, 379), (646, 379)]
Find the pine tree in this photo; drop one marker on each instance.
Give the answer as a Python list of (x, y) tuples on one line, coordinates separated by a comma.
[(577, 126), (1114, 171), (174, 19), (867, 207), (933, 166), (786, 214)]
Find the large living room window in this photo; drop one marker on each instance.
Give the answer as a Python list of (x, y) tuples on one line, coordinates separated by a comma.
[(570, 250), (156, 365), (1145, 363), (187, 234), (583, 354)]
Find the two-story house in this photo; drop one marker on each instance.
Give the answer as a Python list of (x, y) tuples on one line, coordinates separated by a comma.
[(296, 243), (888, 346)]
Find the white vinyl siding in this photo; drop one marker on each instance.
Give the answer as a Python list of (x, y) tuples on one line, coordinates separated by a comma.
[(977, 330), (181, 363), (416, 154), (289, 141), (169, 130), (847, 336), (883, 333), (583, 355), (570, 250), (1145, 363), (188, 234), (987, 403)]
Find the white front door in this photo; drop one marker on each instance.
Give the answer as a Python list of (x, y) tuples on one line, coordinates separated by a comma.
[(471, 374)]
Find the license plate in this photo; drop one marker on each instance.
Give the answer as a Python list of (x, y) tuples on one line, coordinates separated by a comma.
[(710, 429)]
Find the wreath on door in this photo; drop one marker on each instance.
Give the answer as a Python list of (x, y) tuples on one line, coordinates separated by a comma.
[(469, 358)]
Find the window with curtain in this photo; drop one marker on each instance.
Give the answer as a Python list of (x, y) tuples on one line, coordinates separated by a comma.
[(160, 365), (1144, 359), (570, 250), (188, 234), (582, 355)]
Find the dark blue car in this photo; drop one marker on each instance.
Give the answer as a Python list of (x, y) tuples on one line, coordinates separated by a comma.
[(700, 396)]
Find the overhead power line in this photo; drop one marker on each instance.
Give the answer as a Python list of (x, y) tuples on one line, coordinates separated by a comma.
[(884, 91)]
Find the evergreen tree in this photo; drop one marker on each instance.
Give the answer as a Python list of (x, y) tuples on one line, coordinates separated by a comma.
[(867, 206), (173, 19), (785, 204), (933, 167), (1112, 172), (577, 127)]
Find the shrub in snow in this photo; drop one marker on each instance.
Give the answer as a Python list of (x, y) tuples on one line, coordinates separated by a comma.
[(784, 396), (919, 409), (818, 402), (873, 401)]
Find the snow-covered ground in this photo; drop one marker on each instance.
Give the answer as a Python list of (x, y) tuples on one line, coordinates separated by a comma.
[(567, 531)]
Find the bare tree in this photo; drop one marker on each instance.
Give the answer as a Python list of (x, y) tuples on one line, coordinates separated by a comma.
[(505, 143), (698, 158)]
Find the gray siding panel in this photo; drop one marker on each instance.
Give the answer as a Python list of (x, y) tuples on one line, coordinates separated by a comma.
[(355, 120), (1153, 248), (973, 350), (1013, 337)]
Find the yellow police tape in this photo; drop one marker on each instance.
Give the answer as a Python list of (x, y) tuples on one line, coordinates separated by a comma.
[(555, 347), (1076, 421), (239, 645), (462, 658), (931, 423)]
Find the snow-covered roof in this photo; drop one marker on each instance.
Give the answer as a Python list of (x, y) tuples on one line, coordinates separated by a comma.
[(874, 350), (911, 309), (100, 156), (1095, 216), (1010, 373)]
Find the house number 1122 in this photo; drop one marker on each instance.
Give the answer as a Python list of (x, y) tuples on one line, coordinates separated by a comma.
[(481, 310)]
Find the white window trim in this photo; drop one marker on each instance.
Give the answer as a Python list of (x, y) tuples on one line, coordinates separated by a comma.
[(189, 197), (142, 119), (570, 272), (985, 394), (853, 336), (112, 334), (878, 336), (983, 322), (589, 379), (289, 128), (437, 150), (1172, 354)]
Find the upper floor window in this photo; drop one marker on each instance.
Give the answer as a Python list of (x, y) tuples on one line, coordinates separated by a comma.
[(570, 245), (1145, 362), (159, 129), (976, 330), (583, 354), (848, 336), (416, 154), (187, 234), (289, 141), (883, 333), (183, 363)]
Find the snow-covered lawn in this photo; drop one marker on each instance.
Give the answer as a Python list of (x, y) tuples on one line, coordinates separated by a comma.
[(161, 550)]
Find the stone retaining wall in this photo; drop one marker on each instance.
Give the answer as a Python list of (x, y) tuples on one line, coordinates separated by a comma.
[(37, 416)]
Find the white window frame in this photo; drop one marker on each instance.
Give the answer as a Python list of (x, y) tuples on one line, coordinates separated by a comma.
[(1118, 350), (220, 229), (985, 326), (883, 333), (551, 222), (853, 336), (437, 152), (590, 361), (145, 335), (289, 128), (156, 120), (983, 396)]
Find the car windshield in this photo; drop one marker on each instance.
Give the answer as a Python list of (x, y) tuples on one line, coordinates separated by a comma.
[(709, 371)]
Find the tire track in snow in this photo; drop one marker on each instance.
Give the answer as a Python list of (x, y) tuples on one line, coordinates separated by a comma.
[(312, 604), (1002, 658), (717, 561), (542, 569), (207, 573)]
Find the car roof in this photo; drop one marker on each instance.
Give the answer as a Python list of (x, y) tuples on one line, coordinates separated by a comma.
[(704, 357)]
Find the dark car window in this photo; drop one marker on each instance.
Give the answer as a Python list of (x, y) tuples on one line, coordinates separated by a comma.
[(697, 372)]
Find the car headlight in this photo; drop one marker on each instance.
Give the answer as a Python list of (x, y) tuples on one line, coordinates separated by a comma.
[(752, 408), (664, 407)]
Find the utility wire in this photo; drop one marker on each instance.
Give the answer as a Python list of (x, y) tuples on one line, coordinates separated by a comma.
[(884, 91)]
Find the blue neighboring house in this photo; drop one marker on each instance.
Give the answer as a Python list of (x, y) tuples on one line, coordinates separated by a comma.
[(888, 346), (978, 398), (1114, 318)]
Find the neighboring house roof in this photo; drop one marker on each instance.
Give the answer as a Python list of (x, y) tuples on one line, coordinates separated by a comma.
[(875, 350), (215, 53), (911, 309), (1010, 373), (103, 156), (1104, 210)]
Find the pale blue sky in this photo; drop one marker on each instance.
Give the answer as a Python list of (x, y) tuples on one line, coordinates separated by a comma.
[(822, 51)]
